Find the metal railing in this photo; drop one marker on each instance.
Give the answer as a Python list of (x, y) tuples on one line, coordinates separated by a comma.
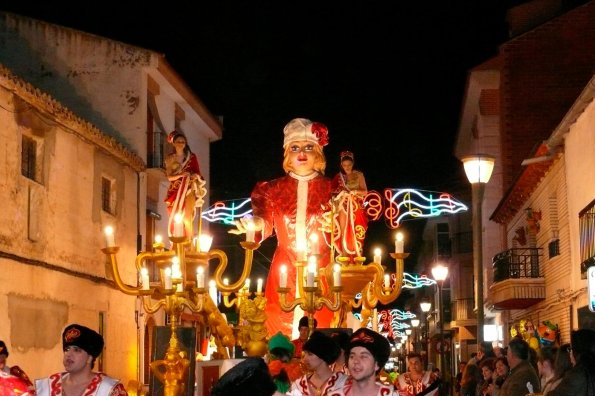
[(517, 263)]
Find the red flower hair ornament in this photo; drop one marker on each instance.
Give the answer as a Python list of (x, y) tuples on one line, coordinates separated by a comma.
[(321, 132)]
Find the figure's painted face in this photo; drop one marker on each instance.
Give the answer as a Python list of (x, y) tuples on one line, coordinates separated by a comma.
[(301, 156)]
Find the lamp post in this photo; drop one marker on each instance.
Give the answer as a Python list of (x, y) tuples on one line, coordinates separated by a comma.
[(415, 325), (425, 308), (440, 272), (478, 169)]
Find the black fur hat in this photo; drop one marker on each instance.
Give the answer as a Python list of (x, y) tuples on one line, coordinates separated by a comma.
[(249, 377), (83, 337), (322, 346), (374, 342)]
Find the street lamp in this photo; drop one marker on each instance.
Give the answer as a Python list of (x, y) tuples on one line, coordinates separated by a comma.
[(425, 308), (415, 325), (440, 272), (478, 169)]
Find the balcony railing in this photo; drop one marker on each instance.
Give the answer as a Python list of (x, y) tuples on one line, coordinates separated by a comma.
[(517, 263)]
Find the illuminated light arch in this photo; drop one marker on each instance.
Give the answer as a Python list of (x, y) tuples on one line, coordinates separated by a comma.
[(403, 204)]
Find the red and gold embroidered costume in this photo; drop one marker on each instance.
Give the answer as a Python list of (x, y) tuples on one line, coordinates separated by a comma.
[(276, 202)]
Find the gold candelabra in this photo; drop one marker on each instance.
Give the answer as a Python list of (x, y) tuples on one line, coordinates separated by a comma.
[(349, 278), (311, 297), (181, 287)]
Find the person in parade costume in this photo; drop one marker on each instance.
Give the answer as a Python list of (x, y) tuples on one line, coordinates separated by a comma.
[(320, 351), (304, 332), (250, 377), (367, 353), (282, 366), (184, 191), (349, 190), (14, 371), (292, 207), (417, 381), (342, 339), (81, 347)]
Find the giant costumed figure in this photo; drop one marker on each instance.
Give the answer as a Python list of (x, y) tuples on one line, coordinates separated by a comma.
[(292, 207)]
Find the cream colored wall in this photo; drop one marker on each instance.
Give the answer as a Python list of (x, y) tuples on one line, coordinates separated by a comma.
[(61, 277), (550, 197), (579, 149)]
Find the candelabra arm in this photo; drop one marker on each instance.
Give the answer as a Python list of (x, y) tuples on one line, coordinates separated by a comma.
[(110, 252), (249, 247), (333, 304), (191, 305), (377, 288), (288, 307), (230, 303), (151, 309)]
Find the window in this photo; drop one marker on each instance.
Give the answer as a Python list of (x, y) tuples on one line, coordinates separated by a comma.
[(554, 248), (443, 240), (108, 196), (31, 160), (587, 238)]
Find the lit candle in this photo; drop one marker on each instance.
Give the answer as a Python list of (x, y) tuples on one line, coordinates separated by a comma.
[(200, 277), (204, 242), (399, 243), (259, 285), (213, 291), (144, 278), (179, 288), (167, 280), (178, 225), (300, 249), (247, 284), (311, 272), (283, 276), (337, 275), (386, 281), (377, 255), (110, 240), (226, 281), (314, 247), (250, 231)]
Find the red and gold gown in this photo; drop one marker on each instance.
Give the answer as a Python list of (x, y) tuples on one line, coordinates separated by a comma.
[(291, 206), (351, 221), (182, 187)]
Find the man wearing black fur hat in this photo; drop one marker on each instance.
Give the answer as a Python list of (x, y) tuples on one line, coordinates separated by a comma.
[(367, 354), (320, 351), (81, 347), (249, 377)]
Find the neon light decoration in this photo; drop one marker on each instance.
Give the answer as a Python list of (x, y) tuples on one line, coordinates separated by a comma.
[(227, 212), (399, 205), (415, 281)]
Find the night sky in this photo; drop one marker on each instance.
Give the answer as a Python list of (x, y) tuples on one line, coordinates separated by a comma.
[(387, 78)]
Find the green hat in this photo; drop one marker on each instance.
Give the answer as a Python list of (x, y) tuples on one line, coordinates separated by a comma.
[(280, 340)]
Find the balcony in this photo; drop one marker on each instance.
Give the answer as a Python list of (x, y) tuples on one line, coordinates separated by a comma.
[(518, 279), (462, 313)]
